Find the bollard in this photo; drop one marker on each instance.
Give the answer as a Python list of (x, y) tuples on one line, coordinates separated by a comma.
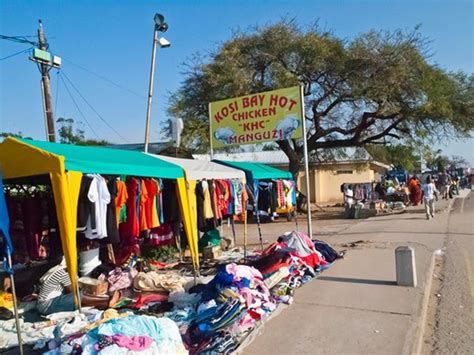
[(405, 265)]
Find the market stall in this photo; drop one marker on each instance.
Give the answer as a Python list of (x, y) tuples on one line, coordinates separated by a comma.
[(26, 161), (273, 190), (205, 176)]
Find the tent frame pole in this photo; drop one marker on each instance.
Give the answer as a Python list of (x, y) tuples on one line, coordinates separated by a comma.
[(15, 307), (255, 206)]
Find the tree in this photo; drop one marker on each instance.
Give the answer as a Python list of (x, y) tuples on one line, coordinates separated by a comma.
[(373, 89), (403, 157), (66, 131), (14, 135), (68, 135)]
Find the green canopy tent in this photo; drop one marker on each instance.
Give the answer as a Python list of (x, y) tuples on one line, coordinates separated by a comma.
[(25, 160)]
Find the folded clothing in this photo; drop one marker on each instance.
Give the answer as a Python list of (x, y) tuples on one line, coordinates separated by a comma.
[(157, 282)]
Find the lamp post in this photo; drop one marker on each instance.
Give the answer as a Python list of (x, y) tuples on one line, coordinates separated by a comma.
[(160, 26)]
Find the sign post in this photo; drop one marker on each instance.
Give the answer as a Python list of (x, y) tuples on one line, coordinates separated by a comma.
[(306, 162), (210, 130)]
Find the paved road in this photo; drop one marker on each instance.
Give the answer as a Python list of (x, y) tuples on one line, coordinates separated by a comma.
[(355, 306), (454, 332)]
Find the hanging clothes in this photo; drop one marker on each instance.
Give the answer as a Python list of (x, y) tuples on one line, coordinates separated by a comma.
[(199, 192), (31, 208), (159, 201), (162, 235), (143, 207), (85, 207), (129, 230), (289, 192), (120, 200), (99, 195), (238, 190), (170, 207), (216, 193), (151, 211), (112, 225), (280, 192), (207, 201)]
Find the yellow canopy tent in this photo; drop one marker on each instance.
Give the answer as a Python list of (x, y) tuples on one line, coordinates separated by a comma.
[(65, 164)]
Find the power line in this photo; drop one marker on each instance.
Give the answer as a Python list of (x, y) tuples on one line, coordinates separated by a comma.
[(18, 39), (14, 54), (77, 106), (57, 92), (93, 109), (106, 79)]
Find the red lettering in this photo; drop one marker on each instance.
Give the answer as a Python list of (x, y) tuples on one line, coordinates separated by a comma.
[(218, 117), (283, 101), (273, 100), (292, 103)]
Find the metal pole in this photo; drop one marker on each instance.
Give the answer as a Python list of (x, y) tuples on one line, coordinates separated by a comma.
[(46, 86), (150, 88), (210, 131), (306, 163), (15, 308)]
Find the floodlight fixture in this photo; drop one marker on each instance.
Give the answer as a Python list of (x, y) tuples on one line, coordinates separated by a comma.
[(164, 43), (160, 24)]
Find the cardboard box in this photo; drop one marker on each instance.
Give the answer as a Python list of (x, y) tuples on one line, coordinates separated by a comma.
[(93, 287)]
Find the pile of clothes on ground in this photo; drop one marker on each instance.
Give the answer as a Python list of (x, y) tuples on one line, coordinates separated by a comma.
[(163, 312)]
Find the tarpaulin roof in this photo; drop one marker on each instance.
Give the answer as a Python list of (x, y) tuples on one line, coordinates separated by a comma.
[(65, 164), (257, 171), (109, 161), (201, 169)]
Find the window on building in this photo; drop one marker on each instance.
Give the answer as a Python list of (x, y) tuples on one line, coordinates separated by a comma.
[(342, 172)]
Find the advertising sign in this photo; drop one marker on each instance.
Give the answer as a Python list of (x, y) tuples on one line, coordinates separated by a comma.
[(257, 118)]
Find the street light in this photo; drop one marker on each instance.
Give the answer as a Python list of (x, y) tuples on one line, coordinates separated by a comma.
[(160, 26)]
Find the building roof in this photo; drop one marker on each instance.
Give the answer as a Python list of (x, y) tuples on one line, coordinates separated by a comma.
[(278, 157), (202, 169)]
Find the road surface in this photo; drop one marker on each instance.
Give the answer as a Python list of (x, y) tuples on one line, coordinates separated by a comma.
[(454, 325)]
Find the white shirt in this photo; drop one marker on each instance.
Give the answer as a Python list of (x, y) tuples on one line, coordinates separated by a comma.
[(429, 191), (99, 194), (349, 196)]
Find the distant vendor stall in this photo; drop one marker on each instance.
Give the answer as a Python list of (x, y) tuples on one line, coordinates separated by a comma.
[(26, 163), (274, 190)]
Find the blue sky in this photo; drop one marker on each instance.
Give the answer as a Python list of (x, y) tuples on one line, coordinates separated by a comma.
[(113, 39)]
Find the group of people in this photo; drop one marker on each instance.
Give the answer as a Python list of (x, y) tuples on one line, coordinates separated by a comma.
[(415, 191)]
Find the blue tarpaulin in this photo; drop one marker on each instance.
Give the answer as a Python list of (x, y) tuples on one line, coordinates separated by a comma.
[(4, 230)]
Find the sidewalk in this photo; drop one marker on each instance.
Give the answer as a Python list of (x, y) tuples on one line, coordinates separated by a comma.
[(356, 307)]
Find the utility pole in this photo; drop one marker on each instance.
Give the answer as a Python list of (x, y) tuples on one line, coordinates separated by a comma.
[(46, 87)]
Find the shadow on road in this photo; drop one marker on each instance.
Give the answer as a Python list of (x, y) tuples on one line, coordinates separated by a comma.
[(358, 281)]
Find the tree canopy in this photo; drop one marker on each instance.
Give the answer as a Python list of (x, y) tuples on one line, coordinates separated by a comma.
[(372, 89)]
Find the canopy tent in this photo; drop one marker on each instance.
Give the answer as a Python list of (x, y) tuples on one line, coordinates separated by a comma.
[(200, 169), (257, 171), (65, 165), (203, 169)]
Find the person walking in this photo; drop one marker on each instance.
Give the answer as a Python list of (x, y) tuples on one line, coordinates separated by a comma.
[(429, 195), (444, 181)]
